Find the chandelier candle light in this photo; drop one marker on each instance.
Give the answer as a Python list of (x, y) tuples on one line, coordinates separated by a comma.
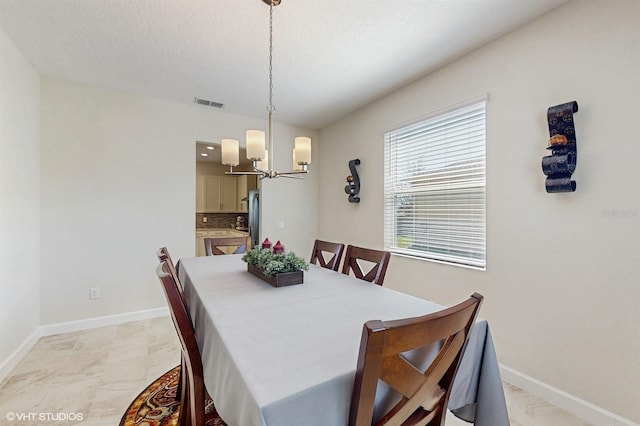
[(255, 139)]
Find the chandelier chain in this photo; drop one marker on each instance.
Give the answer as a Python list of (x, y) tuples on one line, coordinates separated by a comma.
[(270, 106)]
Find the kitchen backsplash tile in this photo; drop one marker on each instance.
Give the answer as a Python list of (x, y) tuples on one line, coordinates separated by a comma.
[(219, 220)]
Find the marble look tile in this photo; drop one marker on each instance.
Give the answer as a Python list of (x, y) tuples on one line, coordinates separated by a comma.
[(81, 368), (160, 363), (111, 400), (452, 420), (58, 339), (153, 374), (135, 329), (41, 361), (24, 391), (161, 325), (55, 344), (125, 349), (168, 351), (69, 397), (22, 402), (125, 370), (163, 344), (526, 409), (97, 339)]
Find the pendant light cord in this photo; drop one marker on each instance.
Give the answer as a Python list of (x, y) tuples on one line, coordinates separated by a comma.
[(270, 107)]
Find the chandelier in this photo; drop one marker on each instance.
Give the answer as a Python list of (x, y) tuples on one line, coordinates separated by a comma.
[(255, 139)]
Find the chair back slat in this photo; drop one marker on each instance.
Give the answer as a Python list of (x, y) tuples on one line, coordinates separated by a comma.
[(213, 246), (424, 391), (321, 249), (375, 274)]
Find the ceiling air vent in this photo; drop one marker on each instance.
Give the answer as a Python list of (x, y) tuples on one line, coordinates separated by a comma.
[(206, 102)]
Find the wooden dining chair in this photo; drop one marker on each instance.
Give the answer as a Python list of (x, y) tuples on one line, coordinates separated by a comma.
[(213, 246), (424, 392), (379, 259), (322, 248), (163, 255), (194, 398)]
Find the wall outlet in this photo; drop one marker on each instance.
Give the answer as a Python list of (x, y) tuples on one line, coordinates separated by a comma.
[(94, 292), (280, 224), (204, 219)]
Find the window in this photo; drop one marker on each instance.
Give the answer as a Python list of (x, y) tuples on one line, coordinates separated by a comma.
[(434, 187)]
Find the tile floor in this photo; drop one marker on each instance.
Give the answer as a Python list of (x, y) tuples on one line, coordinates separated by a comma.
[(89, 377)]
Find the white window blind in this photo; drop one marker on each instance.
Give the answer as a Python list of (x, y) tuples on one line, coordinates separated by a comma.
[(435, 187)]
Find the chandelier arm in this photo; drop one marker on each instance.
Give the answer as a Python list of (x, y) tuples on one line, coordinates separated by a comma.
[(259, 173), (286, 174)]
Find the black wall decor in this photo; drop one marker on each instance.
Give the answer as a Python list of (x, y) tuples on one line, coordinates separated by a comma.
[(560, 165), (353, 182)]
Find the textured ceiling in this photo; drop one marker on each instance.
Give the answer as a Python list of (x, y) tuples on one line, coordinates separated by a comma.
[(331, 57)]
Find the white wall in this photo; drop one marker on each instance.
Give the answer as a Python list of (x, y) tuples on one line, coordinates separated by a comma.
[(19, 198), (296, 204), (562, 284), (118, 182)]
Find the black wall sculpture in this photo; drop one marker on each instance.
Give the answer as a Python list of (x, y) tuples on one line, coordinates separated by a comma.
[(353, 182), (560, 165)]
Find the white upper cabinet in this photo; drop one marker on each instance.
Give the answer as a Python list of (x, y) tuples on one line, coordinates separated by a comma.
[(217, 194)]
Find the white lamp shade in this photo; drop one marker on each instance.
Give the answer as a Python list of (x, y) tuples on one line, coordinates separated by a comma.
[(302, 150), (264, 163), (296, 167), (230, 152), (255, 145)]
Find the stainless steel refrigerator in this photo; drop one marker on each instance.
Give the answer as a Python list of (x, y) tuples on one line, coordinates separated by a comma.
[(254, 216)]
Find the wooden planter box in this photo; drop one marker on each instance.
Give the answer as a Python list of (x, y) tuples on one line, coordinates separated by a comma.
[(278, 280)]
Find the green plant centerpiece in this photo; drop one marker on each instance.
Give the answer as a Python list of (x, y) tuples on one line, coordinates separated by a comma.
[(275, 263), (278, 269)]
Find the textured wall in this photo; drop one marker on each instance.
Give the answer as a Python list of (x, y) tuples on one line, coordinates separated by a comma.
[(118, 175), (563, 270), (19, 199)]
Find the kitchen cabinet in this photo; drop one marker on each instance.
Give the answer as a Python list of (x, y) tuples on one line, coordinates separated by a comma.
[(200, 194), (223, 194), (201, 234), (217, 194)]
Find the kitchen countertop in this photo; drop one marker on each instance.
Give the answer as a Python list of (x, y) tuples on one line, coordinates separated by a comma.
[(246, 231)]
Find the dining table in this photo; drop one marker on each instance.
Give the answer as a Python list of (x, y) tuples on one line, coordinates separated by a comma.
[(280, 356)]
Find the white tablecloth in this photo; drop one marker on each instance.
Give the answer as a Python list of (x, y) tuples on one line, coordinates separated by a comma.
[(287, 356)]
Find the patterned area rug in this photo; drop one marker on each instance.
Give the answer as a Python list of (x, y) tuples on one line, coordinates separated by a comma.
[(159, 404)]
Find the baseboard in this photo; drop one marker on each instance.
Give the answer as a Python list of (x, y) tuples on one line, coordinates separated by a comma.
[(581, 408), (10, 363), (66, 327), (86, 324)]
